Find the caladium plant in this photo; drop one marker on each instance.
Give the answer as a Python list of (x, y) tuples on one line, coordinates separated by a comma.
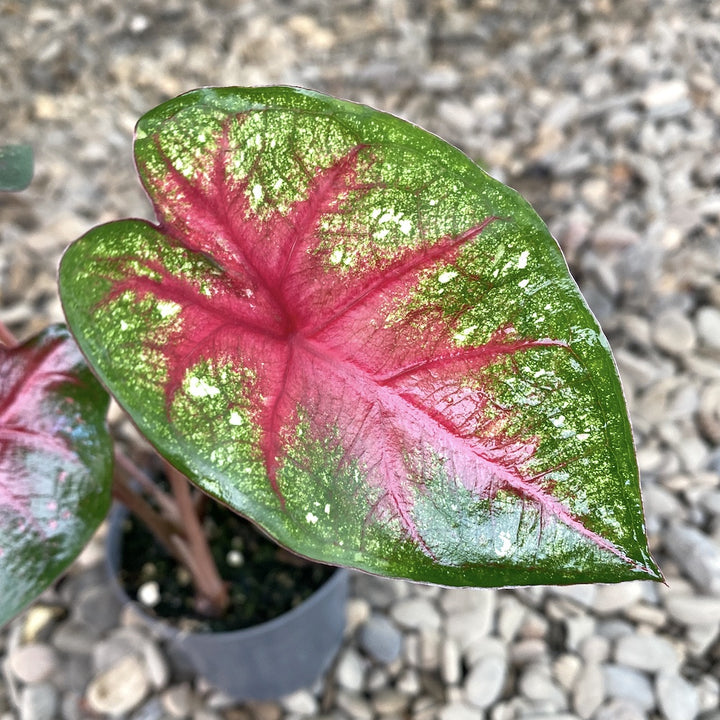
[(343, 329)]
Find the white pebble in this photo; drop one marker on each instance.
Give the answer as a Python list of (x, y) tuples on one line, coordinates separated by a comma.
[(149, 593)]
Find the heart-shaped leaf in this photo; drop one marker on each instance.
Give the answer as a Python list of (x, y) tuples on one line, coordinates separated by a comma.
[(345, 330), (55, 463)]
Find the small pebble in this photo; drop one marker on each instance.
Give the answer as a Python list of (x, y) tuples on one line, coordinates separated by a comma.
[(677, 698), (624, 683), (650, 653), (380, 639), (120, 688), (178, 700), (38, 701), (351, 669), (416, 613), (673, 333), (589, 691), (301, 702), (33, 663), (485, 682), (149, 593)]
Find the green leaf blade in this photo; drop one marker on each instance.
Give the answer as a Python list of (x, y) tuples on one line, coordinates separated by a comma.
[(345, 330)]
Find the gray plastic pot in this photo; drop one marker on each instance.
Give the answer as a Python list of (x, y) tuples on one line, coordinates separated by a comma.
[(262, 662)]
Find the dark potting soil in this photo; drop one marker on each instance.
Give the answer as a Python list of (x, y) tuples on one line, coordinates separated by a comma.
[(264, 580)]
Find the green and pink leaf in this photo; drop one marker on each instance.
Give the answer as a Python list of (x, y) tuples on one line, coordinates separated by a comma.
[(55, 463), (345, 330)]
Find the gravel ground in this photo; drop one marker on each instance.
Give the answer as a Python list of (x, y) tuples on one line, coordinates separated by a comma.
[(606, 115)]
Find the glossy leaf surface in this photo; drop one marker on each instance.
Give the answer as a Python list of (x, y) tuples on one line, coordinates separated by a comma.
[(344, 329), (55, 463)]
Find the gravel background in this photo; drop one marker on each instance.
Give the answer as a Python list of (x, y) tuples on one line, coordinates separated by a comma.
[(606, 115)]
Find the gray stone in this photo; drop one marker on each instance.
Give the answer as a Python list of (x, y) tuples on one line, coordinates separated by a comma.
[(667, 98), (709, 411), (33, 662), (75, 637), (583, 595), (408, 682), (355, 705), (660, 502), (589, 691), (451, 662), (357, 612), (71, 706), (484, 683), (379, 592), (38, 701), (458, 600), (151, 710), (610, 599), (411, 649), (696, 554), (700, 638), (351, 669), (265, 710), (390, 702), (624, 709), (98, 607), (693, 609), (215, 699), (708, 688), (459, 710), (692, 451), (378, 678), (156, 665), (611, 235), (595, 649), (380, 639), (673, 333), (510, 616), (707, 321), (178, 700), (301, 702), (483, 647), (457, 115), (74, 673), (472, 622), (524, 652), (416, 613), (578, 628), (677, 698), (650, 653), (624, 683), (120, 688), (205, 714), (430, 641), (537, 684), (566, 669), (107, 652)]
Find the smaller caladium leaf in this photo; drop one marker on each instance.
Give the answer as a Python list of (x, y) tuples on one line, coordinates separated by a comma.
[(344, 329), (55, 463), (16, 167)]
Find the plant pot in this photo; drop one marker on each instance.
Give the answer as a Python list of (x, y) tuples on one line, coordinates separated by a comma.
[(262, 662)]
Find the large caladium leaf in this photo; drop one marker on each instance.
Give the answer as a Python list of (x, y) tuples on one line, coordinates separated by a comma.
[(344, 329), (55, 463)]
